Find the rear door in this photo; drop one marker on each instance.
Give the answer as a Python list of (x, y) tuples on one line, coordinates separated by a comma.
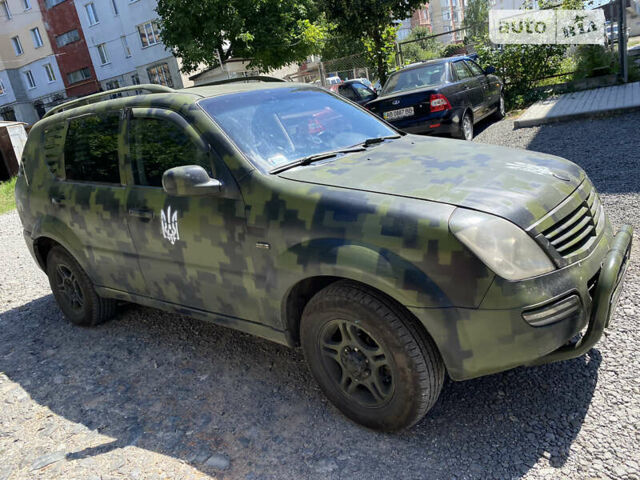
[(470, 87), (191, 249), (91, 199)]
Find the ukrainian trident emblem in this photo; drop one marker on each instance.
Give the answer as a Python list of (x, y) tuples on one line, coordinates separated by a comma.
[(169, 222)]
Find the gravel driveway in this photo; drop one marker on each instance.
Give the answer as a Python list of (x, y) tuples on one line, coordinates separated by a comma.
[(152, 395)]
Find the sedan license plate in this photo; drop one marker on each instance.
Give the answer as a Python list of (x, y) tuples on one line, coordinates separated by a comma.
[(396, 114)]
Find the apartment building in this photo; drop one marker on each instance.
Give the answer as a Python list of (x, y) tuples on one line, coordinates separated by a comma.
[(30, 80), (441, 16), (124, 43)]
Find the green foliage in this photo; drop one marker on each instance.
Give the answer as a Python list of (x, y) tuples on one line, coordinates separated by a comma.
[(373, 22), (595, 60), (476, 18), (423, 50), (7, 199), (453, 49), (272, 33), (520, 66)]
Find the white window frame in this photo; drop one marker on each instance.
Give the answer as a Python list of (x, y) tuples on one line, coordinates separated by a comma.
[(125, 46), (51, 75), (17, 45), (7, 10), (103, 54), (31, 81), (36, 37), (92, 14), (148, 27), (26, 4), (114, 6)]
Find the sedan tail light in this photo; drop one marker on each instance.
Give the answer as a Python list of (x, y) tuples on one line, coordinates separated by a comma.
[(439, 102)]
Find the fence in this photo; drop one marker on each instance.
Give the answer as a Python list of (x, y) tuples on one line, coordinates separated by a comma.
[(328, 72)]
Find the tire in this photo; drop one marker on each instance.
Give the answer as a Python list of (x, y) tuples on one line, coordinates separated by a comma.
[(345, 329), (74, 291), (500, 113), (465, 131)]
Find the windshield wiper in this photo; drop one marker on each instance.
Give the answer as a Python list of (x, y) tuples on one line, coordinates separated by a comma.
[(317, 156), (372, 141)]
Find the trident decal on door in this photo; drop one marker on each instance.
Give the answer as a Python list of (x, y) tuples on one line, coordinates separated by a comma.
[(169, 222)]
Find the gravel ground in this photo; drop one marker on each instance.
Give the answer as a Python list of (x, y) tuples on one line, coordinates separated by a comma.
[(152, 395)]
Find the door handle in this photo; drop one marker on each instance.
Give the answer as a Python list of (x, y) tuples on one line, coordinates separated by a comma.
[(57, 200), (141, 213)]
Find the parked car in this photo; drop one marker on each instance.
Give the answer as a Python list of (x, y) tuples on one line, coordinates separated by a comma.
[(287, 212), (445, 96), (356, 91)]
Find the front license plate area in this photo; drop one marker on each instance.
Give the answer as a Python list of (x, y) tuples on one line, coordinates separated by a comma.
[(400, 113)]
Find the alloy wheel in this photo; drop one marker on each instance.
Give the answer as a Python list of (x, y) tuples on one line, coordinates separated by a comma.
[(69, 288)]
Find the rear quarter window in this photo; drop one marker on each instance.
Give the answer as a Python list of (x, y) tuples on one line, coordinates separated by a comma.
[(91, 149)]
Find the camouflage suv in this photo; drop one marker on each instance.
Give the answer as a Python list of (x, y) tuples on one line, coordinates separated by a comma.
[(290, 213)]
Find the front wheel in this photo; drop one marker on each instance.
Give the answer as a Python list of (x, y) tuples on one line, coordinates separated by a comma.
[(371, 360), (501, 109)]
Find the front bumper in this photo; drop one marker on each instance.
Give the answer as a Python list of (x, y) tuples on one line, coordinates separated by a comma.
[(496, 337)]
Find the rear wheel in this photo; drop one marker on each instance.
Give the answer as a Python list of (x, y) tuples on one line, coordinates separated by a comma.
[(74, 291), (465, 131), (370, 359)]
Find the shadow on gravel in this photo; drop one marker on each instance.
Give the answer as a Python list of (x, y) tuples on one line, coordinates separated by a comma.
[(189, 390)]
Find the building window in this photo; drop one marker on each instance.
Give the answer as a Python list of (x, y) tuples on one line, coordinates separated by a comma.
[(125, 46), (148, 34), (67, 38), (160, 75), (17, 46), (79, 75), (114, 5), (52, 3), (92, 15), (102, 51), (31, 83), (37, 39), (135, 79), (2, 90), (51, 76), (26, 4), (5, 9)]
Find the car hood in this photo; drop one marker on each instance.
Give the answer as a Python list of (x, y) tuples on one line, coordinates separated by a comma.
[(519, 185)]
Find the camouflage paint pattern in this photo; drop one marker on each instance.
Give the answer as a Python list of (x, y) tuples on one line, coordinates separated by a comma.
[(379, 217)]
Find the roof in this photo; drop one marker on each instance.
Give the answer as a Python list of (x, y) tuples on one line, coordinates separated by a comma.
[(433, 62)]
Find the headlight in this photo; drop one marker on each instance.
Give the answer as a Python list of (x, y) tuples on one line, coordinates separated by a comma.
[(503, 247)]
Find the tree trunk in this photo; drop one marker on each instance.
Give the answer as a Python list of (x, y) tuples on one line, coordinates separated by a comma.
[(381, 59)]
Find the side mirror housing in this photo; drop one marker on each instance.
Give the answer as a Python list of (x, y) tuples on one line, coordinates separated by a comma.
[(489, 70), (189, 180)]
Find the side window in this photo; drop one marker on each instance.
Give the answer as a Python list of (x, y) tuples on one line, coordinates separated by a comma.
[(91, 149), (53, 143), (158, 145), (347, 92), (363, 91), (475, 69), (461, 70)]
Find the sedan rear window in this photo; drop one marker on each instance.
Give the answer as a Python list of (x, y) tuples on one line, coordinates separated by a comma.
[(277, 126), (429, 75)]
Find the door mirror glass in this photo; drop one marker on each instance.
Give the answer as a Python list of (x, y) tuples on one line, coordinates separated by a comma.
[(189, 180), (489, 70)]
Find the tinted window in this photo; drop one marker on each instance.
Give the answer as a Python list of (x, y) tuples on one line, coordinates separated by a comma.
[(363, 91), (475, 69), (428, 75), (347, 92), (158, 145), (279, 125), (461, 71), (91, 149)]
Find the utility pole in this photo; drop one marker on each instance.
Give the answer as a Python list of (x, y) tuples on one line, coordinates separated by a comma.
[(622, 40)]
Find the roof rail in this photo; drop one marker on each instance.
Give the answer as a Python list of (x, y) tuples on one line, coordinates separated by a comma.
[(96, 97), (259, 78)]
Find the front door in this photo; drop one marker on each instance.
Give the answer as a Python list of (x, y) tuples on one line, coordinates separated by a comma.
[(470, 87), (191, 249), (91, 199)]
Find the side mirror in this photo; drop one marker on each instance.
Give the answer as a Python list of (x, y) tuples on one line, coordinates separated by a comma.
[(189, 180), (489, 70)]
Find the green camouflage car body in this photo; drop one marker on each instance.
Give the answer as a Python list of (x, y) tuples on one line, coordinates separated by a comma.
[(251, 256)]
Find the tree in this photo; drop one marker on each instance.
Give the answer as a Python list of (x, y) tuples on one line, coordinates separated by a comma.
[(476, 18), (271, 33), (372, 21), (424, 49)]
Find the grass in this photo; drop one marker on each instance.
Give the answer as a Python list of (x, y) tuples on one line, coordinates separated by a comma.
[(7, 201)]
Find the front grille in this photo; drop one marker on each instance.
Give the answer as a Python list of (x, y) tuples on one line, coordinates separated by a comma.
[(576, 230)]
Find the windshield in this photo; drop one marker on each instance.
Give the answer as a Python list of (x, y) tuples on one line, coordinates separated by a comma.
[(429, 75), (277, 126)]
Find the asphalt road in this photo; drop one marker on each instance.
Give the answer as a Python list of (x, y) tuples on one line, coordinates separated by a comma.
[(152, 395)]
